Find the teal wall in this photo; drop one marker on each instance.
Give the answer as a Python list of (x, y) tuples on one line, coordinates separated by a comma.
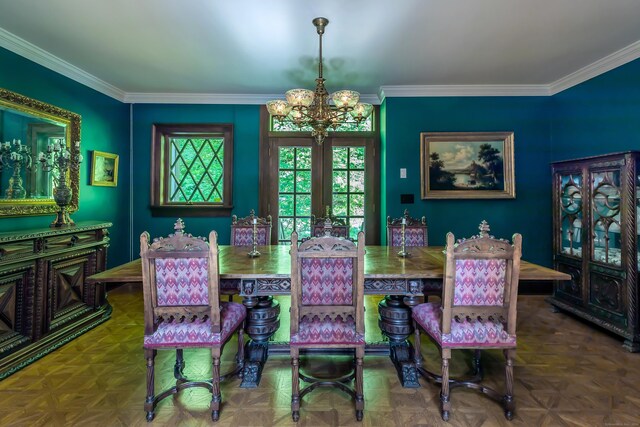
[(246, 135), (599, 116), (528, 213), (105, 127), (595, 117)]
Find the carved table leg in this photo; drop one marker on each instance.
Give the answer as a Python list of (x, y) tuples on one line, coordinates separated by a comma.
[(395, 323), (262, 321)]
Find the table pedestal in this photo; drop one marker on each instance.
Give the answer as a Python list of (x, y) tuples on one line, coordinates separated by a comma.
[(263, 320), (396, 324)]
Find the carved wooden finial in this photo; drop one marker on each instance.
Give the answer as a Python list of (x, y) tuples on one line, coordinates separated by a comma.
[(179, 226), (406, 213), (484, 229), (328, 227), (252, 213)]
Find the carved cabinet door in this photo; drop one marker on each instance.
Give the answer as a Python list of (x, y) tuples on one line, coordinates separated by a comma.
[(16, 307)]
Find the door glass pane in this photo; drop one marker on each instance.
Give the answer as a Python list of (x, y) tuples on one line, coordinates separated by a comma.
[(348, 187), (294, 192), (606, 217), (571, 214)]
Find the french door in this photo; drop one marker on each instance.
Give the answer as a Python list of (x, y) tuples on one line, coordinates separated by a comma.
[(300, 178)]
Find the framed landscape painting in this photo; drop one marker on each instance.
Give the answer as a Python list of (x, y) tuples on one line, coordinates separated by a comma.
[(467, 165), (104, 169)]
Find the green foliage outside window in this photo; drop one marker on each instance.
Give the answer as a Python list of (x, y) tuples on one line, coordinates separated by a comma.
[(350, 125), (197, 170)]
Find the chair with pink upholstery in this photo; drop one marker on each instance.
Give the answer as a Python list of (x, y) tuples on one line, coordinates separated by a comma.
[(478, 311), (242, 230), (327, 310), (415, 231), (182, 310), (338, 227)]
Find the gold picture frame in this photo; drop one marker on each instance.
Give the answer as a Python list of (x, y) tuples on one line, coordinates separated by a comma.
[(104, 169), (467, 165)]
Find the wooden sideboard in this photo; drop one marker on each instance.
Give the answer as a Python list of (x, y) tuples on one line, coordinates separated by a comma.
[(45, 300)]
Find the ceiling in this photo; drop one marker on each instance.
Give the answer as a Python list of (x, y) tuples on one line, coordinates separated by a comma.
[(254, 49)]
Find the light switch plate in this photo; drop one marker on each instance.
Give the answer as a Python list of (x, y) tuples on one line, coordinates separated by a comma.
[(403, 172)]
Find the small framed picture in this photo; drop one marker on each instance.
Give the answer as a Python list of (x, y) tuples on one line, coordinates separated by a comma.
[(104, 169), (467, 165)]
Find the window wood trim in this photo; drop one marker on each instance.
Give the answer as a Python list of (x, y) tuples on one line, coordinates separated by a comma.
[(160, 164)]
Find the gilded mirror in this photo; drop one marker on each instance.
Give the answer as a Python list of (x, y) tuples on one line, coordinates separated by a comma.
[(27, 128)]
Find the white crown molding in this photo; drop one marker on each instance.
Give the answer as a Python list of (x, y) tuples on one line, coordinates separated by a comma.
[(462, 90), (40, 56), (601, 66)]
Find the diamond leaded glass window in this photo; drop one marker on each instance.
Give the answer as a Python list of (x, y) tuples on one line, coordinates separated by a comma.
[(192, 168)]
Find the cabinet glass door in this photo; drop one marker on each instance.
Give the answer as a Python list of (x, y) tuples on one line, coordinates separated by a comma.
[(606, 217), (571, 214)]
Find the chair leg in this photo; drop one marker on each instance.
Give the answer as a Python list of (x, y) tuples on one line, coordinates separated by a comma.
[(240, 353), (149, 405), (508, 400), (445, 403), (295, 385), (216, 397), (477, 365), (178, 369), (359, 381), (417, 350)]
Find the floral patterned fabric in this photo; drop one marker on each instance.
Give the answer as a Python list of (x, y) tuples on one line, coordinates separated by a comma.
[(412, 236), (464, 334), (197, 333), (480, 282), (243, 236), (327, 331), (181, 281), (327, 281)]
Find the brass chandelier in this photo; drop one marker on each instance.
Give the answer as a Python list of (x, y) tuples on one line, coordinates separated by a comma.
[(314, 108)]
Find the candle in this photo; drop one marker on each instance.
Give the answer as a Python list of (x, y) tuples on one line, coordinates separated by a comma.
[(41, 156), (255, 221), (77, 144), (404, 221), (56, 146), (49, 148), (80, 158)]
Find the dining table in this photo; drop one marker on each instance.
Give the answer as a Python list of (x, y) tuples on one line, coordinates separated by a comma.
[(401, 280)]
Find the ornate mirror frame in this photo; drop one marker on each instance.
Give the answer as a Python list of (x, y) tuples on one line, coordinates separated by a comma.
[(72, 122)]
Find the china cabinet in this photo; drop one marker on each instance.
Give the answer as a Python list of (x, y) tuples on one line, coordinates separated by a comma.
[(45, 299), (596, 208)]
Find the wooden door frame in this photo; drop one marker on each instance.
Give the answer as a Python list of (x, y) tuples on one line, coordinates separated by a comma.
[(372, 177)]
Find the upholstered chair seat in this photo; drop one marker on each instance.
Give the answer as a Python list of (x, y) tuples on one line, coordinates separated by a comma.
[(197, 333), (464, 333), (327, 331)]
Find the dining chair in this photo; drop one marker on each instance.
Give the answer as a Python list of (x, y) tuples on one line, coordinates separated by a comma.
[(477, 312), (339, 226), (242, 230), (415, 232), (327, 310), (182, 310)]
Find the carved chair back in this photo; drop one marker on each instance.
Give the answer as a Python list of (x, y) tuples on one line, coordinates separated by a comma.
[(415, 231), (481, 280), (180, 279), (337, 227), (327, 279), (242, 230)]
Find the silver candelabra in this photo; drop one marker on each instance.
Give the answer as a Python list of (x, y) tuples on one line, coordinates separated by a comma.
[(17, 156)]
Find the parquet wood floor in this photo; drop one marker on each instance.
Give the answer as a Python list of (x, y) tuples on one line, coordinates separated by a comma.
[(567, 374)]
